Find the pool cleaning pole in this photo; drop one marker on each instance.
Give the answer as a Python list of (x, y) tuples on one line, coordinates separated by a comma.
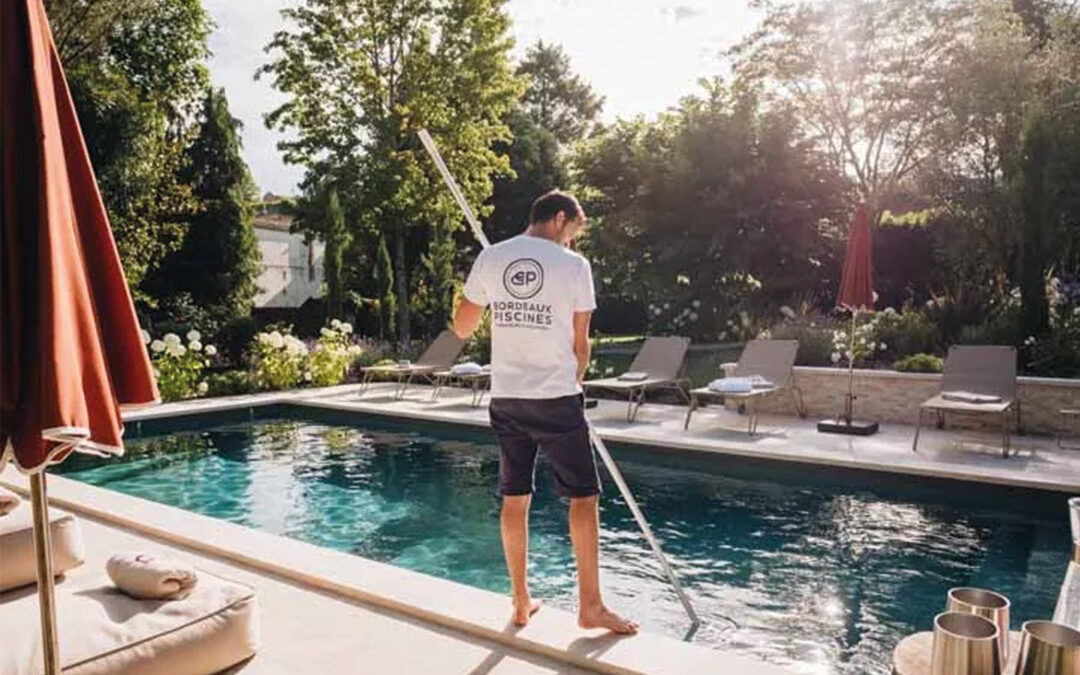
[(597, 442)]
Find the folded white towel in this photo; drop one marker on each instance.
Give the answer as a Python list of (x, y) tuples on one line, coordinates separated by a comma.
[(969, 397), (634, 376), (144, 575), (732, 385), (8, 502), (468, 368)]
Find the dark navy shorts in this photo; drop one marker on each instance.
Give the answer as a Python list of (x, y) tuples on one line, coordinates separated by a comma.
[(558, 426)]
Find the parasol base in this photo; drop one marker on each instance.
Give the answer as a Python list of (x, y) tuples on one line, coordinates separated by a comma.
[(852, 428)]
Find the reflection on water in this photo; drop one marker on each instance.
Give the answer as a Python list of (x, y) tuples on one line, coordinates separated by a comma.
[(824, 579)]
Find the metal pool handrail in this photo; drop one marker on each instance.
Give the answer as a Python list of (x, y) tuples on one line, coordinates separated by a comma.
[(598, 443)]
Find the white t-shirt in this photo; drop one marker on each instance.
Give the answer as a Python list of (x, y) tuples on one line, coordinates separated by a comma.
[(533, 287)]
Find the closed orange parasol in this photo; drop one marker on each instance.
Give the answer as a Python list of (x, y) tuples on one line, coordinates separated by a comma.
[(71, 355), (856, 294)]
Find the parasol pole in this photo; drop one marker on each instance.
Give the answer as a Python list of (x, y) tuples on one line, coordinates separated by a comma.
[(597, 442), (849, 404), (46, 591)]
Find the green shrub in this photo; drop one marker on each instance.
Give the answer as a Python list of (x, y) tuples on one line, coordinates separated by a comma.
[(906, 332), (230, 383), (1057, 353), (278, 360), (866, 346), (178, 367), (329, 360), (1001, 327), (919, 363), (815, 339), (234, 338)]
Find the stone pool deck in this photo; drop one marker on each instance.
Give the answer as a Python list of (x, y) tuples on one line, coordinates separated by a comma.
[(959, 454)]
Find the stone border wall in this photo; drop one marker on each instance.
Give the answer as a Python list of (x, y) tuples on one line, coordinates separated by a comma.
[(891, 396)]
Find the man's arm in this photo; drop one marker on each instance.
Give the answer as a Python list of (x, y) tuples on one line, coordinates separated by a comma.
[(467, 318), (468, 313), (582, 346)]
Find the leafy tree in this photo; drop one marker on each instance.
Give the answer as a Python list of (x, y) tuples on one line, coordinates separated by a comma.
[(557, 110), (538, 165), (218, 262), (999, 171), (716, 208), (557, 100), (362, 77), (1048, 180), (337, 239), (864, 77), (384, 279), (136, 70)]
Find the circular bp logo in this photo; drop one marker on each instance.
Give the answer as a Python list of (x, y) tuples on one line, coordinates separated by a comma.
[(523, 278)]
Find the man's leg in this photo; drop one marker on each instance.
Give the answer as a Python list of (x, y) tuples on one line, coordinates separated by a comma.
[(570, 450), (585, 535), (517, 463), (515, 537)]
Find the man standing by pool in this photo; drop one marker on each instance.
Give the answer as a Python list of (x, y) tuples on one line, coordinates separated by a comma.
[(541, 298)]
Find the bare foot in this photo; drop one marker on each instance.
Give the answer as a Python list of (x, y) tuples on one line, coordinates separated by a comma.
[(602, 617), (524, 610)]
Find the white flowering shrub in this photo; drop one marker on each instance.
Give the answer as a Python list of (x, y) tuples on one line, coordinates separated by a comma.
[(278, 360), (330, 358), (1057, 352), (179, 367), (864, 347), (721, 308)]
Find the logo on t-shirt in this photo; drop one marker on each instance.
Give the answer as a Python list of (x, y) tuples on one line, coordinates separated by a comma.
[(523, 278)]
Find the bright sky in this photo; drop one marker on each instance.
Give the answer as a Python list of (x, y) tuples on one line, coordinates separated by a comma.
[(640, 55)]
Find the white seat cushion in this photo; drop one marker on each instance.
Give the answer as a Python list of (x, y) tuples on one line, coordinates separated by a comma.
[(101, 630), (18, 565)]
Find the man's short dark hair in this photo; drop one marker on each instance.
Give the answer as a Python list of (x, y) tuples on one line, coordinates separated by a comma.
[(548, 205)]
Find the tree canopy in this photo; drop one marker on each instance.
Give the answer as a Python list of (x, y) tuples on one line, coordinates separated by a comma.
[(362, 77), (135, 70)]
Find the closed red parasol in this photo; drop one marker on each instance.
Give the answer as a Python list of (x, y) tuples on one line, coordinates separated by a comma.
[(70, 349), (856, 285), (856, 294)]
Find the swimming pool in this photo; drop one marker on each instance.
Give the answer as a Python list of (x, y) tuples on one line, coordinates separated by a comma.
[(821, 570)]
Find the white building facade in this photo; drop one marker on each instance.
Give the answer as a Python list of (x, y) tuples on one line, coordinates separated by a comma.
[(292, 271)]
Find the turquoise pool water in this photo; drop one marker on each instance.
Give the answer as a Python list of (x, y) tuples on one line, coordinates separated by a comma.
[(824, 572)]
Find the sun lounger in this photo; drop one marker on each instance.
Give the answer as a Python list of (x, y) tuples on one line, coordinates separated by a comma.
[(102, 630), (478, 380), (18, 566), (440, 355), (657, 365), (976, 380), (765, 368)]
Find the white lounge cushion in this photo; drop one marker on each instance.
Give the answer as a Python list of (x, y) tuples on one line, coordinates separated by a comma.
[(18, 566), (469, 368), (633, 376), (732, 385), (969, 397), (103, 631)]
